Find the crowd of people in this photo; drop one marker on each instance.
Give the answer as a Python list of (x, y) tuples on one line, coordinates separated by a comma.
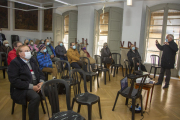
[(26, 72)]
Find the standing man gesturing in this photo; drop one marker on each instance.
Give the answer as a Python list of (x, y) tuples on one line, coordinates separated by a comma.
[(168, 59)]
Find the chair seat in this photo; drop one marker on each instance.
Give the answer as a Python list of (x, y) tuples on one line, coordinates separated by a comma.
[(86, 98), (126, 91), (116, 65), (67, 115), (132, 76), (91, 73), (103, 69), (3, 67), (156, 66)]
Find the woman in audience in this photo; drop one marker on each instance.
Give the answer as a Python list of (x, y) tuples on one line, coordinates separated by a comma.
[(106, 56), (33, 46), (84, 53), (26, 42), (5, 48), (45, 63)]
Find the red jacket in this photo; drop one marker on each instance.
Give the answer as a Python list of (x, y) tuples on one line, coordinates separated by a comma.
[(11, 56)]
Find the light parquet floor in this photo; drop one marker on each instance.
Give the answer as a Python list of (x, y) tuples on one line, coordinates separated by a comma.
[(165, 102)]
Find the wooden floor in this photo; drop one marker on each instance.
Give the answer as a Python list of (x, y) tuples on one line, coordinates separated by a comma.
[(165, 102)]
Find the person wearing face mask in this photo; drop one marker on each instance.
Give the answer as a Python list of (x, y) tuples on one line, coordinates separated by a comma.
[(26, 80), (26, 42), (51, 51), (134, 53), (167, 60), (45, 63), (12, 53), (61, 51), (106, 56), (33, 47), (41, 42), (5, 48), (2, 37), (74, 57)]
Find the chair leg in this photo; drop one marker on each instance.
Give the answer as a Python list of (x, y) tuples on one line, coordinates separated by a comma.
[(150, 69), (126, 101), (89, 112), (122, 71), (109, 75), (133, 108), (23, 112), (97, 81), (117, 70), (13, 105), (111, 68), (114, 71), (43, 107), (90, 83), (115, 101), (73, 103), (155, 72), (4, 74), (105, 77), (99, 104), (79, 107), (141, 106)]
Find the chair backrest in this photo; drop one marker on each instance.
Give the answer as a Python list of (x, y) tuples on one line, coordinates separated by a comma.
[(98, 60), (61, 67), (3, 53), (155, 60), (76, 80), (117, 58), (124, 83), (127, 67), (50, 87), (135, 61), (88, 64)]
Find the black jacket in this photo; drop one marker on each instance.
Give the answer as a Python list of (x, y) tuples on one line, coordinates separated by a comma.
[(3, 37), (60, 51), (132, 54), (20, 77), (6, 50), (105, 54), (168, 56)]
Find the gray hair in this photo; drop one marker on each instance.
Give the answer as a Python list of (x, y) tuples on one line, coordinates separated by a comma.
[(5, 41), (171, 36), (104, 43)]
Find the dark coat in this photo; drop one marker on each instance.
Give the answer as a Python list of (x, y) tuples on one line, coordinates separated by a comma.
[(168, 56), (3, 38), (105, 54), (132, 54), (6, 50), (20, 77), (60, 51)]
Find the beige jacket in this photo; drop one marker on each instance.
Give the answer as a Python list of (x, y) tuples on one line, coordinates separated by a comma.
[(83, 54), (73, 55)]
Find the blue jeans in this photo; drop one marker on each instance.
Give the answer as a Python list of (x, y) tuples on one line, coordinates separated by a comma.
[(64, 58)]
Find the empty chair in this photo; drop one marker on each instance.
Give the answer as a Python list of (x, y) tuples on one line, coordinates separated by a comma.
[(101, 68), (3, 68), (155, 63), (117, 63), (51, 88), (85, 98), (131, 93)]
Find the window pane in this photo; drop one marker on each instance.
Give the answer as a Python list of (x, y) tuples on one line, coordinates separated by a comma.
[(157, 17), (103, 29), (152, 46), (65, 41), (155, 29), (174, 30), (149, 53), (104, 18), (173, 17), (154, 35)]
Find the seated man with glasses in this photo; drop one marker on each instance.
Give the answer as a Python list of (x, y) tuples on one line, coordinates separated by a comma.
[(26, 80)]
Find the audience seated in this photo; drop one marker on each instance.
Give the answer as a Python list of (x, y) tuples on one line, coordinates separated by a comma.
[(85, 53), (45, 63), (12, 53), (106, 56), (74, 57), (61, 51), (33, 47), (26, 79), (51, 51), (41, 42), (26, 42), (134, 53), (2, 37), (5, 48)]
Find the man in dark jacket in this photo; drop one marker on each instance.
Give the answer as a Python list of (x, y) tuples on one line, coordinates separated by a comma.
[(168, 59), (2, 37), (26, 79), (61, 51), (133, 53)]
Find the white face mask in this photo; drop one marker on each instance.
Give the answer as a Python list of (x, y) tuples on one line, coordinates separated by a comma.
[(31, 43), (6, 45), (28, 55)]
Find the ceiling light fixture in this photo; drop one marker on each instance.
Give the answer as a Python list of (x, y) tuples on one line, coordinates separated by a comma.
[(129, 2), (26, 4), (62, 2)]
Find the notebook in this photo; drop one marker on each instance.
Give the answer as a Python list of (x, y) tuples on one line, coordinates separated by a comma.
[(124, 83)]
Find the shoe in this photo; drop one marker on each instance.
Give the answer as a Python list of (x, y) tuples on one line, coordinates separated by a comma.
[(165, 86), (158, 83)]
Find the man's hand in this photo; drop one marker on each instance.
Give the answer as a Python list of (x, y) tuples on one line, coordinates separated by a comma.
[(52, 56), (157, 42), (64, 54), (110, 57), (40, 84), (137, 63), (36, 88), (166, 43)]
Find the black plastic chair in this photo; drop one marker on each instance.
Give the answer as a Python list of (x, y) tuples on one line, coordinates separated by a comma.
[(100, 68), (132, 93), (51, 88), (117, 63), (89, 73), (3, 68), (155, 63), (24, 109), (84, 98)]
